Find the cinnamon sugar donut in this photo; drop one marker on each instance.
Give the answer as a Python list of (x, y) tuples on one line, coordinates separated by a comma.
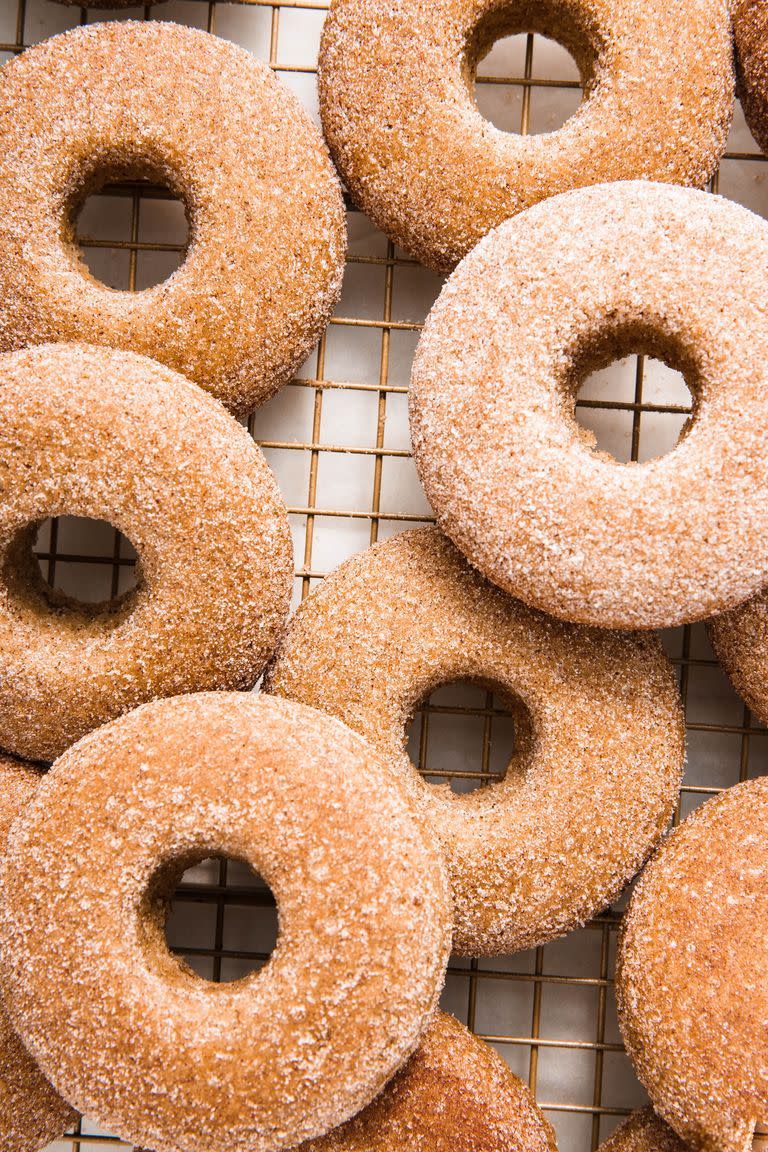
[(396, 98), (212, 123), (643, 1131), (740, 642), (692, 976), (113, 436), (594, 783), (176, 1062), (549, 297), (750, 30), (454, 1095), (31, 1113)]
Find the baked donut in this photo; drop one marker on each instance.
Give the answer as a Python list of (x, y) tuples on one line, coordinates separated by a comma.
[(549, 297), (740, 641), (750, 31), (31, 1113), (285, 1054), (600, 762), (216, 126), (113, 436), (454, 1095), (692, 974), (643, 1131), (396, 85)]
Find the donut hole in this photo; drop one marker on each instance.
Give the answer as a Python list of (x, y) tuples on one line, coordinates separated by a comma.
[(88, 561), (217, 916), (528, 67), (128, 227), (76, 566), (632, 404), (467, 734)]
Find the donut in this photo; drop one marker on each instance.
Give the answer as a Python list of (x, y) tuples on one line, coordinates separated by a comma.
[(556, 293), (113, 436), (643, 1131), (692, 973), (31, 1113), (175, 1061), (599, 766), (750, 31), (396, 84), (212, 123), (740, 642), (455, 1094)]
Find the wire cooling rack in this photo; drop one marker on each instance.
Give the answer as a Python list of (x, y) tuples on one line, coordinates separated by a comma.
[(337, 438)]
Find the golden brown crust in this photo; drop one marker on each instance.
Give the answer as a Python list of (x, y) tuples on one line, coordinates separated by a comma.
[(586, 800), (177, 1062), (31, 1112), (750, 30), (395, 82), (267, 231), (550, 296), (643, 1131), (113, 436), (740, 641), (692, 978), (454, 1095)]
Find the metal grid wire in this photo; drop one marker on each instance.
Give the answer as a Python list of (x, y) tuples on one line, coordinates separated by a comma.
[(550, 1013)]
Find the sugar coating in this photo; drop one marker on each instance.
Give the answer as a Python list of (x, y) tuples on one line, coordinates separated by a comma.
[(113, 436), (692, 975), (455, 1094), (740, 641), (643, 1131), (600, 761), (750, 31), (398, 110), (267, 234), (549, 297), (31, 1112), (176, 1062)]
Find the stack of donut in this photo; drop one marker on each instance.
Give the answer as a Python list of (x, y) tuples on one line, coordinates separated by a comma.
[(549, 568)]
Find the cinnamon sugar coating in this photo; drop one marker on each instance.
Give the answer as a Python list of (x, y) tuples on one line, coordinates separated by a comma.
[(516, 482), (113, 436), (692, 976), (600, 733), (455, 1094), (643, 1131), (204, 117), (398, 109), (176, 1062), (750, 30), (740, 641), (31, 1112)]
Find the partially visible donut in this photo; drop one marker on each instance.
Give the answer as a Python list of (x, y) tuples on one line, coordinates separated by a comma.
[(395, 81), (692, 974), (643, 1131), (549, 297), (176, 1062), (740, 641), (599, 768), (216, 126), (750, 30), (113, 436), (31, 1112), (455, 1094)]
